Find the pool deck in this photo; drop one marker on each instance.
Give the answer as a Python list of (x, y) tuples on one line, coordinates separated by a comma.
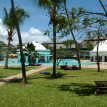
[(103, 65)]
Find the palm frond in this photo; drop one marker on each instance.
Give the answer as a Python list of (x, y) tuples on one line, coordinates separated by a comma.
[(9, 20)]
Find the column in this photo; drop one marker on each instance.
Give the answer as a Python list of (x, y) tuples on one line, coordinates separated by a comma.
[(48, 58), (36, 60), (103, 59), (45, 58), (26, 58), (39, 57), (18, 57), (94, 58)]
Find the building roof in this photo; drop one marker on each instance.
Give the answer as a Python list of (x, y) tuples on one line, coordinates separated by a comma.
[(92, 40), (38, 46), (102, 47), (58, 44)]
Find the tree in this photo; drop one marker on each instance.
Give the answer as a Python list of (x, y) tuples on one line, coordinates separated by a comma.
[(71, 22), (68, 43), (24, 80), (53, 7), (89, 46), (30, 48), (100, 24), (96, 27), (63, 53), (2, 51), (2, 44), (98, 13), (9, 23)]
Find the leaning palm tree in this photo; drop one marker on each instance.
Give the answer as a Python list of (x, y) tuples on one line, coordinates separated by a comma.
[(24, 80), (9, 23), (52, 6)]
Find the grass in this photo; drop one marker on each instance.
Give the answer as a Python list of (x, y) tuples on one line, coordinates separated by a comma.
[(70, 89), (13, 70)]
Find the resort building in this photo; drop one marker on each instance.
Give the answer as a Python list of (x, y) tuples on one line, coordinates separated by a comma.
[(44, 54), (72, 48), (102, 52)]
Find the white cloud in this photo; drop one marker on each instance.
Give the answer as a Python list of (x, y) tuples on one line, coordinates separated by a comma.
[(3, 32), (32, 35)]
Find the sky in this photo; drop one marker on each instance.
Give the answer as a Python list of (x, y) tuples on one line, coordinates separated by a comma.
[(33, 28)]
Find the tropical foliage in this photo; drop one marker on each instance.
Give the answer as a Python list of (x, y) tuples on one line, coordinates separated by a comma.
[(53, 7), (10, 25), (2, 51), (31, 53)]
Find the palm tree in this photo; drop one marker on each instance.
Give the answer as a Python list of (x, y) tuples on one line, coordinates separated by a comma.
[(9, 23), (52, 6), (30, 49), (68, 43), (24, 80)]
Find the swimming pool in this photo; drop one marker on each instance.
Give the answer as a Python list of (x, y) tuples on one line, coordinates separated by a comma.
[(69, 62)]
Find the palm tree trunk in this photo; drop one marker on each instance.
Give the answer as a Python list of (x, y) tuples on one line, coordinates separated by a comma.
[(7, 55), (54, 41), (98, 65), (77, 49), (24, 80)]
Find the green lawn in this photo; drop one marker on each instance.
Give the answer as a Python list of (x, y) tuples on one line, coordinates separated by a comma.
[(13, 70), (70, 89)]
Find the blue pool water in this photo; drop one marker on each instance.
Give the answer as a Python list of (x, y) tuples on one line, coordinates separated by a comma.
[(69, 62)]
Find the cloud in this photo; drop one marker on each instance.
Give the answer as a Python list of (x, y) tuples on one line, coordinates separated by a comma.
[(3, 32), (32, 35)]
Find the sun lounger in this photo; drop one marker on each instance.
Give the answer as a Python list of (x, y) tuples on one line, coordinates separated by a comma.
[(74, 67), (37, 64), (65, 67)]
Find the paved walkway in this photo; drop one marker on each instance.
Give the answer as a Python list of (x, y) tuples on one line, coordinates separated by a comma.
[(103, 65), (19, 76)]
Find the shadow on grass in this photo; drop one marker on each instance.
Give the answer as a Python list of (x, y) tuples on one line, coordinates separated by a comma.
[(15, 80), (3, 81), (47, 76), (17, 68), (12, 68), (44, 76), (77, 88), (2, 77)]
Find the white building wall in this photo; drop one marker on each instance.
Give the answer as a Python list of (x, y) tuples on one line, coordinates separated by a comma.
[(102, 51), (102, 54)]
